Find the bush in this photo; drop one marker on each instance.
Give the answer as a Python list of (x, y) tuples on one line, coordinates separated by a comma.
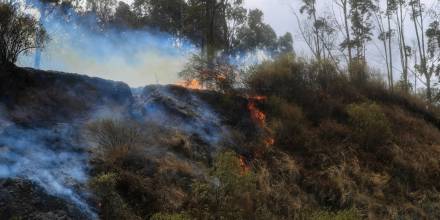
[(222, 76), (166, 216), (20, 33), (229, 192), (115, 141), (371, 127), (286, 119), (350, 214), (110, 202)]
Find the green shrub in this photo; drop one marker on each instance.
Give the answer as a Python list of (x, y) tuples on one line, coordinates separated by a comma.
[(229, 192), (350, 214), (111, 204), (371, 127), (167, 216)]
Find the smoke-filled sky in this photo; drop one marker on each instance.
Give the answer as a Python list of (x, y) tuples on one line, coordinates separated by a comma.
[(143, 58)]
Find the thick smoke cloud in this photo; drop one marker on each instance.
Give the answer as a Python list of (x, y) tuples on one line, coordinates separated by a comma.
[(135, 57)]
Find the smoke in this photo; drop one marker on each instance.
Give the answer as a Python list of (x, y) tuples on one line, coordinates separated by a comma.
[(137, 57), (185, 112), (52, 157)]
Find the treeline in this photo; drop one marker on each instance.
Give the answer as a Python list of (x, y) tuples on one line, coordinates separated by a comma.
[(219, 28), (345, 31)]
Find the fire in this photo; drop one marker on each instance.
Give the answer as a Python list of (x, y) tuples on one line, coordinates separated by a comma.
[(244, 166), (259, 117), (269, 141), (191, 84), (256, 114)]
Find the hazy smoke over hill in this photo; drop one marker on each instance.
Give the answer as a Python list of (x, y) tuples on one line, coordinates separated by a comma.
[(137, 57)]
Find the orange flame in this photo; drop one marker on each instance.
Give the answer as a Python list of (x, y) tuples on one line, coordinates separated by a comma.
[(259, 118), (244, 166), (256, 114), (191, 84), (269, 141)]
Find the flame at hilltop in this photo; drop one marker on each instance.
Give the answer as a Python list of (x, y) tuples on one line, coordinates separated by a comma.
[(191, 84)]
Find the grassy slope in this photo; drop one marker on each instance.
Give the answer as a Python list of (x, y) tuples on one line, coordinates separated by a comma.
[(343, 157)]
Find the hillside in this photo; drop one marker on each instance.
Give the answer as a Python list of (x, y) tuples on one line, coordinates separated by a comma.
[(307, 144)]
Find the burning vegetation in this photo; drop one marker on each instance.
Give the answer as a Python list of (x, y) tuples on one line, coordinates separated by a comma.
[(285, 139), (191, 84)]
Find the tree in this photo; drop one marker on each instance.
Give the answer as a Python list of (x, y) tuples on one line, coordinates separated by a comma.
[(418, 18), (18, 32), (44, 7), (125, 17), (285, 44), (404, 49), (317, 32), (167, 16), (256, 34), (433, 53), (385, 36), (104, 9), (220, 76), (347, 42), (361, 26)]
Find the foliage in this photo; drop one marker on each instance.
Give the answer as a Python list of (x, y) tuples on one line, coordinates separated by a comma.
[(19, 33), (371, 126), (227, 194), (221, 76), (110, 201), (255, 34)]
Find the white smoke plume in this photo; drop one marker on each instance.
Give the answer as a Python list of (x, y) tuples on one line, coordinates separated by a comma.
[(137, 57)]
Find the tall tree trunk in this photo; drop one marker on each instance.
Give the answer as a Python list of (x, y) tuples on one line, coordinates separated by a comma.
[(37, 61), (421, 47), (390, 51), (317, 38), (347, 32), (210, 33), (405, 52)]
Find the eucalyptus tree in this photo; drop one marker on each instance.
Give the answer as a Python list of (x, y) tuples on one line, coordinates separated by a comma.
[(385, 36), (398, 6), (361, 26), (318, 32), (433, 57), (418, 19), (347, 42), (256, 34)]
